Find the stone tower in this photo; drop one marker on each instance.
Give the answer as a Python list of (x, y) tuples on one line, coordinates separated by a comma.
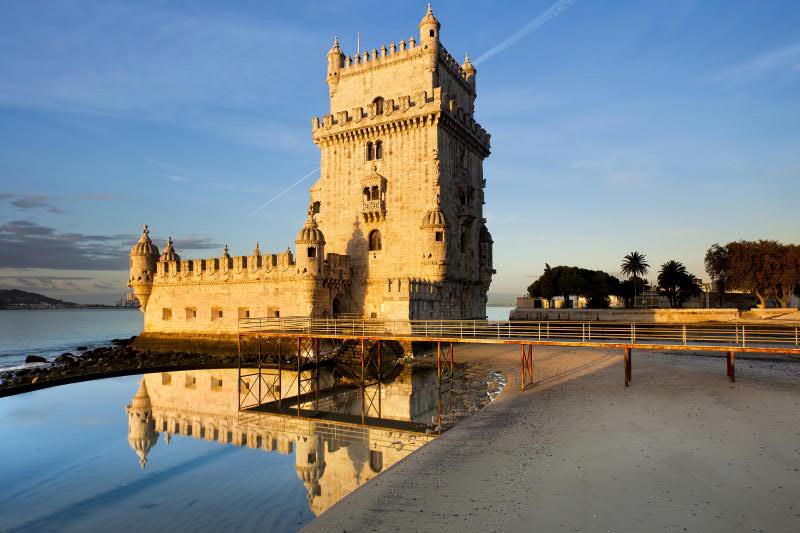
[(401, 186)]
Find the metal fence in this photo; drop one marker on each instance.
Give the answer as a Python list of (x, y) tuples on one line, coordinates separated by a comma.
[(734, 335)]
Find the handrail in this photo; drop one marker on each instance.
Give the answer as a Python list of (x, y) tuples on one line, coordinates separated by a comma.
[(728, 335)]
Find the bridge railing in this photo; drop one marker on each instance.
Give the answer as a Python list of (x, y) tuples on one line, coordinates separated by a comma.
[(734, 335)]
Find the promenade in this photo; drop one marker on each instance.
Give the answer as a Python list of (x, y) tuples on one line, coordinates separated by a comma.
[(682, 450)]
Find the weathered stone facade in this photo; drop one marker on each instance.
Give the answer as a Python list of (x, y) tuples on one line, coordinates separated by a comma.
[(395, 227)]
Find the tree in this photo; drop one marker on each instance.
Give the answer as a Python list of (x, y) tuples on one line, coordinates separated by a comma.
[(635, 265), (768, 269), (565, 281), (677, 284), (718, 268)]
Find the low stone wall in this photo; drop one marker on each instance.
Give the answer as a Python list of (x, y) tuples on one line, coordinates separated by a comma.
[(773, 314), (681, 316)]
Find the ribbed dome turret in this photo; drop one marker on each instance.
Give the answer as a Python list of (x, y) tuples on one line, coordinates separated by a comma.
[(434, 219), (145, 246), (142, 435), (468, 67), (310, 234), (169, 253), (430, 18)]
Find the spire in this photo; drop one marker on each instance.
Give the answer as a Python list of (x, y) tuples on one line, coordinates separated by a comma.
[(257, 251), (430, 18), (335, 49), (468, 67), (225, 252)]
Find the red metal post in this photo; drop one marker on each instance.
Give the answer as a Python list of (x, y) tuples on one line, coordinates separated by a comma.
[(731, 367), (628, 369), (439, 362)]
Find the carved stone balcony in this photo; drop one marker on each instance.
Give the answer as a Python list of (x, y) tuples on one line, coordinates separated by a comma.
[(373, 210)]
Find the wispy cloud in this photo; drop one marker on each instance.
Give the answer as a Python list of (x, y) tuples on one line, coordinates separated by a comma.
[(777, 62), (546, 16), (32, 201)]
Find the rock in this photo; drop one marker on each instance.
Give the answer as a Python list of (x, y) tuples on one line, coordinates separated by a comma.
[(35, 359), (64, 359), (34, 380), (82, 348)]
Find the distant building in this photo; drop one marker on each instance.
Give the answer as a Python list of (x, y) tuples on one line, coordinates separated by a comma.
[(395, 225)]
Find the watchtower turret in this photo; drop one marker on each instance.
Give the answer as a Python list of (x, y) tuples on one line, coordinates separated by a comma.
[(310, 247), (142, 435), (144, 256), (335, 64), (429, 30)]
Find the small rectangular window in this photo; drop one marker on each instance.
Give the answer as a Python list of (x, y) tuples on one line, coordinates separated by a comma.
[(191, 381), (439, 236), (166, 313), (244, 312), (166, 378), (216, 383), (216, 313), (191, 313)]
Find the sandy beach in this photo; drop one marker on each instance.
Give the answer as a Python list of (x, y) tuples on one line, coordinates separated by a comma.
[(682, 449)]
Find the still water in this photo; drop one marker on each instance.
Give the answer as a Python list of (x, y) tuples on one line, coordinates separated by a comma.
[(49, 333), (174, 451)]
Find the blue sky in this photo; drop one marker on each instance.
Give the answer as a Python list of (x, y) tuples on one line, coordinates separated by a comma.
[(658, 126)]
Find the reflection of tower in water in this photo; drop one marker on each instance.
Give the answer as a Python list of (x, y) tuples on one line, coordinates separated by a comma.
[(142, 434), (332, 456)]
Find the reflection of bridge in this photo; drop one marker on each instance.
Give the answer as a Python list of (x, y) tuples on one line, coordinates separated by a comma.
[(371, 334)]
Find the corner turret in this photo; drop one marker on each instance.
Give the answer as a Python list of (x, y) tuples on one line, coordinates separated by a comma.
[(310, 246), (310, 464), (335, 63), (429, 30), (142, 435), (144, 256)]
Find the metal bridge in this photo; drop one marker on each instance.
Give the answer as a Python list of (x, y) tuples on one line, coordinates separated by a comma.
[(727, 338)]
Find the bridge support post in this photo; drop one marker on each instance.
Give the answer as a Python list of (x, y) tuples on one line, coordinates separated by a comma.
[(448, 361), (526, 357), (731, 364), (628, 368)]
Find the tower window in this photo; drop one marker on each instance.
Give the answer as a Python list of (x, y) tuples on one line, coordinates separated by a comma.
[(378, 150), (375, 242), (433, 33), (166, 313), (370, 151), (312, 251), (376, 193), (378, 103), (464, 241), (439, 236), (315, 207)]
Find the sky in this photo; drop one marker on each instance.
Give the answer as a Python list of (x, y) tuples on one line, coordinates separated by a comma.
[(650, 125)]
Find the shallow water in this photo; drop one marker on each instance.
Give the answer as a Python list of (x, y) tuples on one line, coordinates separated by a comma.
[(51, 332), (174, 452)]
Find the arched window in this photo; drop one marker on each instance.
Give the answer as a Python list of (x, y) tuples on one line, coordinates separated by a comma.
[(378, 103), (376, 194), (366, 194), (378, 150), (463, 241), (375, 242), (312, 251), (370, 151), (315, 207)]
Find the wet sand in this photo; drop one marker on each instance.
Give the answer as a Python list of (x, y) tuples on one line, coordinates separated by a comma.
[(683, 449)]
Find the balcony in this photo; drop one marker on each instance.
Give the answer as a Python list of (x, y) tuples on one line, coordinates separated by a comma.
[(373, 210)]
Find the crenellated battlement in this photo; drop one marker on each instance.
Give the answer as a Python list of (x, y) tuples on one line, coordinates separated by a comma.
[(256, 267), (395, 111)]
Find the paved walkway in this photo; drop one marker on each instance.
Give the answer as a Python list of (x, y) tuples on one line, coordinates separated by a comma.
[(683, 449)]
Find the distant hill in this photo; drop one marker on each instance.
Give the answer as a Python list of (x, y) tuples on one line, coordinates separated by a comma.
[(17, 299)]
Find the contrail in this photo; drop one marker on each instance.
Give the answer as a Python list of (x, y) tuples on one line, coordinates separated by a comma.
[(549, 14), (284, 191)]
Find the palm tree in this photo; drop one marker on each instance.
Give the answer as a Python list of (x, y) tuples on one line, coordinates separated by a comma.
[(635, 265), (676, 283)]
